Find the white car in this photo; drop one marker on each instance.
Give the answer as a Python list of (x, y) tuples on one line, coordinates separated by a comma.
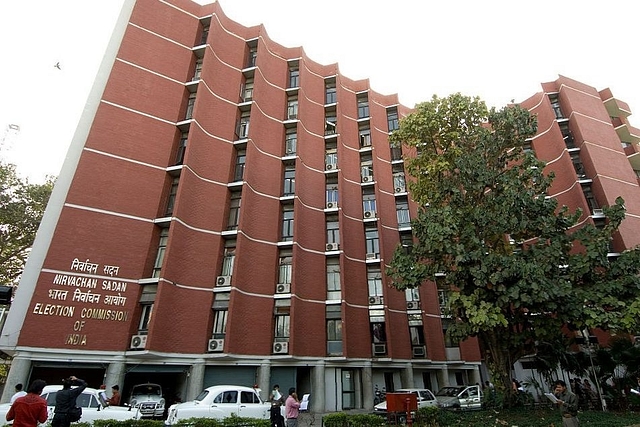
[(460, 397), (148, 399), (425, 399), (219, 402), (93, 407)]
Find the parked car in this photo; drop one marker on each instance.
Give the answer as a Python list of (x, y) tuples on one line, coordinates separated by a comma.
[(425, 398), (219, 402), (148, 399), (93, 406), (460, 397)]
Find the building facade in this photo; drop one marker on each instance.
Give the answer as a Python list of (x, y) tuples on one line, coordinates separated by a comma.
[(225, 215)]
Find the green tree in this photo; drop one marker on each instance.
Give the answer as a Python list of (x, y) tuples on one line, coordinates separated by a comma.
[(21, 208), (514, 267)]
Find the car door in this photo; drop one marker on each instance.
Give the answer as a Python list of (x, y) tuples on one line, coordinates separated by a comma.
[(251, 406), (470, 398), (225, 404)]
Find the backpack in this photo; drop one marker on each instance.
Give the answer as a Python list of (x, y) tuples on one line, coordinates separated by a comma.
[(75, 414)]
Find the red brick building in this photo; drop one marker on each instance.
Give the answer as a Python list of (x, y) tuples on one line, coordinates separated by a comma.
[(225, 215)]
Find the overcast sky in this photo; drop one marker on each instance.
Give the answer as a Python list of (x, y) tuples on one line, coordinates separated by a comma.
[(500, 50)]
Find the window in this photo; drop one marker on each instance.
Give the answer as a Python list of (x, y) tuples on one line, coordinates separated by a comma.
[(162, 246), (228, 260), (220, 323), (331, 158), (412, 294), (191, 102), (333, 279), (290, 142), (365, 137), (399, 183), (372, 242), (234, 210), (333, 230), (591, 199), (374, 281), (366, 167), (331, 122), (392, 119), (378, 334), (555, 104), (198, 70), (294, 77), (402, 213), (331, 95), (282, 326), (334, 336), (292, 108), (145, 317), (241, 158), (246, 93), (289, 187), (253, 55), (332, 194), (416, 334), (369, 202), (171, 200), (242, 130), (205, 34), (287, 224), (363, 106), (285, 267), (396, 153), (182, 148), (443, 300), (577, 165), (448, 342), (567, 135)]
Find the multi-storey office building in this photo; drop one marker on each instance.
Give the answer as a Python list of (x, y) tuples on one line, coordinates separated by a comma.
[(225, 215)]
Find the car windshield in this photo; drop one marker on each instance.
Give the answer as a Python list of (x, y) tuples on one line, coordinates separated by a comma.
[(202, 395), (147, 389), (449, 391)]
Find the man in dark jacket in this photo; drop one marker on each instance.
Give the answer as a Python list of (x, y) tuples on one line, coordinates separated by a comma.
[(66, 400), (568, 404)]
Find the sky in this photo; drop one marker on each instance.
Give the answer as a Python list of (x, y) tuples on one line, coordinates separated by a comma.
[(499, 50)]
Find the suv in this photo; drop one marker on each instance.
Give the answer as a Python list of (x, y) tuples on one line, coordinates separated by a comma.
[(148, 399), (460, 397)]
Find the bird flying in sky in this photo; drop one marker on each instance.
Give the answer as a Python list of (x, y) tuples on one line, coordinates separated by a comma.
[(58, 65)]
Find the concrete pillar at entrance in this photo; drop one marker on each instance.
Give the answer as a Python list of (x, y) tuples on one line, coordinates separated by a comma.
[(317, 400), (19, 373), (195, 382), (406, 376), (475, 376), (264, 377), (443, 377), (367, 386), (115, 374)]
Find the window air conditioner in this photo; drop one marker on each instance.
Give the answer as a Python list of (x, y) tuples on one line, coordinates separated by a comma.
[(369, 214), (332, 205), (216, 345), (332, 247), (280, 347), (223, 281), (371, 256), (283, 288), (379, 349), (375, 300), (367, 178), (330, 166), (419, 351), (400, 190), (598, 212), (413, 305), (138, 342)]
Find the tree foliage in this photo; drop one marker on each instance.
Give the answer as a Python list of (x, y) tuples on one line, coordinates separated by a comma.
[(515, 266), (21, 208)]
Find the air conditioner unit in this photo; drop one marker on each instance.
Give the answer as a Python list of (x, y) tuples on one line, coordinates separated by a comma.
[(371, 256), (330, 166), (138, 342), (332, 205), (399, 190), (379, 349), (413, 305), (283, 288), (332, 247), (290, 151), (598, 212), (369, 214), (216, 345), (375, 300), (280, 347), (419, 351), (367, 178), (223, 281)]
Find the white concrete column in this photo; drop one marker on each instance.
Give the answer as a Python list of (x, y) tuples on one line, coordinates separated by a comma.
[(195, 382), (264, 379), (406, 376), (18, 373), (475, 376), (115, 373), (443, 377), (317, 399), (367, 386)]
